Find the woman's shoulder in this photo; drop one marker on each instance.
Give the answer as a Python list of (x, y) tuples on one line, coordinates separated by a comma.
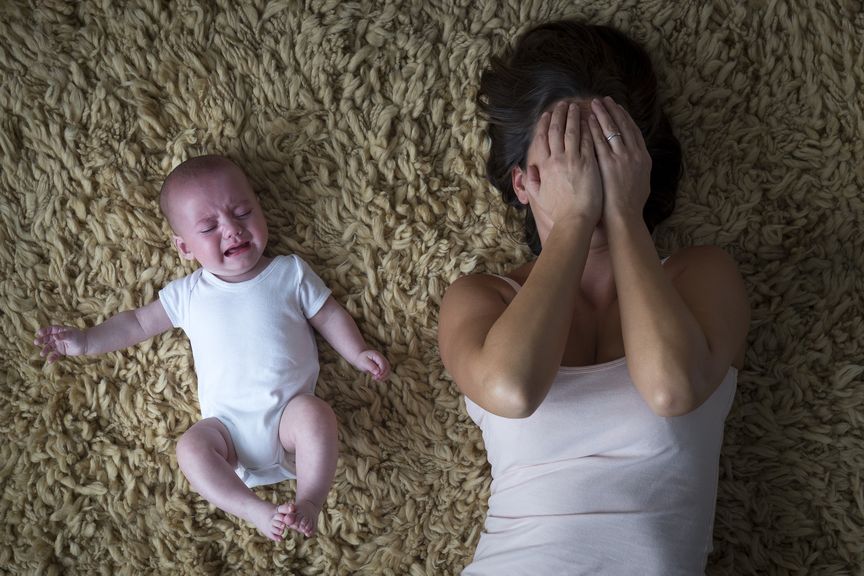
[(703, 274), (708, 280), (473, 299), (489, 285), (481, 285), (705, 259)]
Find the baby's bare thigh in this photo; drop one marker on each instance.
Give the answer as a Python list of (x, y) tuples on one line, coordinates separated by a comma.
[(210, 434), (305, 417)]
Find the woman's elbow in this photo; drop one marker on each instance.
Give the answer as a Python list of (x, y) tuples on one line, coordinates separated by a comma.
[(510, 398), (669, 403), (668, 395)]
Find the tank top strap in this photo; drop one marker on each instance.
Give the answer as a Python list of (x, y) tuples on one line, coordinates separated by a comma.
[(515, 285)]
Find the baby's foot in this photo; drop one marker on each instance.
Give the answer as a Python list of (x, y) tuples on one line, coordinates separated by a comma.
[(273, 523), (302, 517)]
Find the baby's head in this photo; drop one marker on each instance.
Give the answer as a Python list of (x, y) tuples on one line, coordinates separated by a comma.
[(216, 218)]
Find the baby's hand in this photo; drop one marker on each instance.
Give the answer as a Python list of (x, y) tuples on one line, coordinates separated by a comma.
[(57, 341), (373, 362)]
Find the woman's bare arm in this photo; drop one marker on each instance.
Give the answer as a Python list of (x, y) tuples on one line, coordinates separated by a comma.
[(680, 334), (505, 356)]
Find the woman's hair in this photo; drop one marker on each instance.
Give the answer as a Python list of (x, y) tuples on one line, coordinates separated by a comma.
[(569, 59)]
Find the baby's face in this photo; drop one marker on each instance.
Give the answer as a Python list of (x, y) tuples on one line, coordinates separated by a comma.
[(218, 222)]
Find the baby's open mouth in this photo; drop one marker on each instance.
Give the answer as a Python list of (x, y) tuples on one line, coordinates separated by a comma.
[(237, 249)]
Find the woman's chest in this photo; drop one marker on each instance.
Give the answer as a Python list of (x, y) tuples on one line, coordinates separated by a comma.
[(584, 414), (595, 337), (596, 412)]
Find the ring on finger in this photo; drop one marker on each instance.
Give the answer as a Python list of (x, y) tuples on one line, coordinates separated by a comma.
[(612, 136)]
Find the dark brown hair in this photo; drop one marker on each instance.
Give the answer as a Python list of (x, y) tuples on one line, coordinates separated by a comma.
[(569, 59)]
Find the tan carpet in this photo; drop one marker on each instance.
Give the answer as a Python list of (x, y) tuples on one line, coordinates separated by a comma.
[(357, 124)]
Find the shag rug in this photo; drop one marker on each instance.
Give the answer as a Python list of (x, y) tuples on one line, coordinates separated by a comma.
[(357, 124)]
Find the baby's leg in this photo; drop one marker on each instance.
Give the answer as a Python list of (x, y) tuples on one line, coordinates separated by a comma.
[(206, 456), (308, 429)]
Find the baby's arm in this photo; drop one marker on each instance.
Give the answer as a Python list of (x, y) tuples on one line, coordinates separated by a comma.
[(337, 327), (120, 331)]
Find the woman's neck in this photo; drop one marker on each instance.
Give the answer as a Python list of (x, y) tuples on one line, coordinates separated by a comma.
[(597, 287), (598, 281)]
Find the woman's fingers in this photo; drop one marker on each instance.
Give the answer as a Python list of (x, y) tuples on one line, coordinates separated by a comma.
[(540, 143), (616, 113), (601, 145), (586, 140), (559, 130), (634, 133), (565, 129), (626, 125), (573, 132), (557, 127), (613, 136), (630, 133), (532, 180)]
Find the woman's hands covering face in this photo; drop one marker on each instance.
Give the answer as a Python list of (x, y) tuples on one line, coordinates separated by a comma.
[(587, 169), (563, 178), (625, 164)]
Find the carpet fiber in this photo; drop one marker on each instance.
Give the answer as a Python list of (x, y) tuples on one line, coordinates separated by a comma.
[(357, 124)]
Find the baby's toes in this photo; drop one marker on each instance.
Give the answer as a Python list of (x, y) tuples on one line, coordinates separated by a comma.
[(278, 523), (286, 508), (289, 514)]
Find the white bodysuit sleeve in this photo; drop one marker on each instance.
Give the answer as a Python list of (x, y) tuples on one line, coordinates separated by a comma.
[(175, 299), (311, 290)]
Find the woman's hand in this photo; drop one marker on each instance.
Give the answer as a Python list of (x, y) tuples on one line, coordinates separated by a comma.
[(625, 164), (57, 341), (563, 179)]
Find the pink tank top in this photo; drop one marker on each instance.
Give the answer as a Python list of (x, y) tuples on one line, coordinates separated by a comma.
[(595, 483)]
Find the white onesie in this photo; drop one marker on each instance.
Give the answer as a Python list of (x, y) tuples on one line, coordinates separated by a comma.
[(254, 351)]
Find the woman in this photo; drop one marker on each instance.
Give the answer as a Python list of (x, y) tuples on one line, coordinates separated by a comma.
[(600, 376)]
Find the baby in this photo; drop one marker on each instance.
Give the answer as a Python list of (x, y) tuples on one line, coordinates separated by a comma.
[(249, 318)]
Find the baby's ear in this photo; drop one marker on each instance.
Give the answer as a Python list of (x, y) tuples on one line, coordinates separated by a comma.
[(182, 249)]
